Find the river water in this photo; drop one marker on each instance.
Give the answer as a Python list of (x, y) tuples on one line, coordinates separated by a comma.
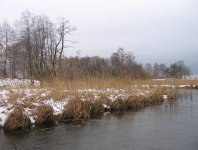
[(170, 126)]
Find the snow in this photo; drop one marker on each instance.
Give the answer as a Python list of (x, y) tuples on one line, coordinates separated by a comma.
[(4, 113), (30, 113), (105, 106), (43, 95), (3, 94), (184, 86), (146, 86), (9, 82), (58, 106), (165, 97)]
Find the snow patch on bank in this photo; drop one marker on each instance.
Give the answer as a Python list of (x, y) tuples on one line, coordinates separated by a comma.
[(4, 113), (58, 106), (9, 82)]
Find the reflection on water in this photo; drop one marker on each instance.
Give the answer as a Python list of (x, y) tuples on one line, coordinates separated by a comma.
[(170, 126)]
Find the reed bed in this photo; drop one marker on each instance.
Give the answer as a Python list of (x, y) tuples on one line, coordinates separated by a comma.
[(79, 108), (63, 101)]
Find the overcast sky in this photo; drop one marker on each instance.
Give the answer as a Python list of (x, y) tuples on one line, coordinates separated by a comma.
[(162, 31)]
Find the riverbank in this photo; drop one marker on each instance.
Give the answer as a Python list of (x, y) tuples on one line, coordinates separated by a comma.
[(23, 106), (174, 123)]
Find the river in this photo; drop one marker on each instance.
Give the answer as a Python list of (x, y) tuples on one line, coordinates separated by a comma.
[(170, 126)]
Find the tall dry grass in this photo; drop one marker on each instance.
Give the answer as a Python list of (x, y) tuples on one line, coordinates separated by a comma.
[(92, 83), (17, 120), (82, 104), (97, 107), (174, 82), (76, 109), (113, 82), (44, 116)]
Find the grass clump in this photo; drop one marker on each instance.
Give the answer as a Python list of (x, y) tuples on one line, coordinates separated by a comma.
[(136, 102), (97, 107), (17, 120), (76, 109), (171, 94), (118, 105), (45, 116), (157, 96)]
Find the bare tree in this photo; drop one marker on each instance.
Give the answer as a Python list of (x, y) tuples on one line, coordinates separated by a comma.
[(148, 70), (179, 70), (156, 70), (6, 37), (25, 29), (162, 68)]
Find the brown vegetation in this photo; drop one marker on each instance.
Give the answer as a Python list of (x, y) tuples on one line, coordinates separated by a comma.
[(86, 99), (17, 120), (76, 109), (44, 115), (97, 107)]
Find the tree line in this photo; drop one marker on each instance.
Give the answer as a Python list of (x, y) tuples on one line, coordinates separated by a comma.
[(175, 70), (34, 48)]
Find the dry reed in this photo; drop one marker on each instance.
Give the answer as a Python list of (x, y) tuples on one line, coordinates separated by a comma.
[(97, 107), (83, 105), (76, 109), (17, 120), (44, 115)]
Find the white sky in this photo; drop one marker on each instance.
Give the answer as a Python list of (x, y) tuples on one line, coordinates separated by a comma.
[(161, 31)]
